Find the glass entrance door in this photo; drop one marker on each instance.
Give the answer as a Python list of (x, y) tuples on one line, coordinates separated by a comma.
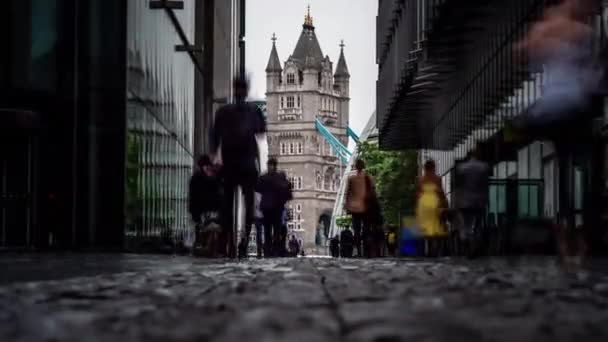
[(15, 190)]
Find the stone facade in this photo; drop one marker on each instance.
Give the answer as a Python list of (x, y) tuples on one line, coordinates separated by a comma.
[(298, 92)]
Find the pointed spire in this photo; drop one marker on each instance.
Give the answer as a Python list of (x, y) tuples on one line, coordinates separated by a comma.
[(342, 69), (274, 63), (308, 19)]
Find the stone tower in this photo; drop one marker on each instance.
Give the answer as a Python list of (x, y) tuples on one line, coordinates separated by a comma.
[(299, 91)]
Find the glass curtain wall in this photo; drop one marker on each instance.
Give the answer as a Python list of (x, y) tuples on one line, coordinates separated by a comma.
[(160, 120)]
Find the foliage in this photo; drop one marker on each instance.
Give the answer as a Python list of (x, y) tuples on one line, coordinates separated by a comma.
[(394, 173), (344, 221)]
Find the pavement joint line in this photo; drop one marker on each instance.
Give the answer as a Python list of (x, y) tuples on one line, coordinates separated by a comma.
[(333, 305)]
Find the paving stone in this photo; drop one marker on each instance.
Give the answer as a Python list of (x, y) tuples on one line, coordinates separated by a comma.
[(161, 298)]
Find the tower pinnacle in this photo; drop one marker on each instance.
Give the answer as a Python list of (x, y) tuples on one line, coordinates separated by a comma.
[(308, 18)]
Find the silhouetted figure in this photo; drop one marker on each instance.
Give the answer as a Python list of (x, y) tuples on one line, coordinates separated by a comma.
[(294, 246), (334, 246), (205, 194), (346, 243), (360, 203), (259, 225), (561, 42), (276, 191), (472, 188), (233, 137)]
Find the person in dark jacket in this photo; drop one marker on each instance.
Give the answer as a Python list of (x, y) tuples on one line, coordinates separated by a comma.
[(204, 191), (276, 191), (233, 137)]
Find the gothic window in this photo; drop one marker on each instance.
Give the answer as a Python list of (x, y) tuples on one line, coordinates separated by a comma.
[(319, 180), (300, 148), (299, 101), (282, 102), (290, 102), (291, 79), (327, 182), (292, 148)]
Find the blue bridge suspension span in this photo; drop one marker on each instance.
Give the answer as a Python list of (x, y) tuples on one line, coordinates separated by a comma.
[(342, 151)]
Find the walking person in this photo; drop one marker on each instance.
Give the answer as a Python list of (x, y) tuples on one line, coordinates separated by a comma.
[(275, 190), (204, 196), (294, 246), (233, 139), (360, 200), (471, 200), (259, 225), (561, 42), (431, 203)]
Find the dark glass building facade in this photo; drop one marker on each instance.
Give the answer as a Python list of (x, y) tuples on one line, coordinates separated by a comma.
[(449, 80), (103, 108)]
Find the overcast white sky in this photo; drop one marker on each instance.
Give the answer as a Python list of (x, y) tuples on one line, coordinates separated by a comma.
[(334, 20)]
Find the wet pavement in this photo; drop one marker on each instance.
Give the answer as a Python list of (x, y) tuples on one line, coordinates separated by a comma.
[(162, 298)]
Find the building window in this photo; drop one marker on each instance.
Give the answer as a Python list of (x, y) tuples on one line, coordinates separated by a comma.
[(327, 182), (299, 101), (283, 149), (299, 226), (319, 180), (292, 149), (291, 79), (282, 102), (299, 207), (300, 148), (300, 183), (290, 101)]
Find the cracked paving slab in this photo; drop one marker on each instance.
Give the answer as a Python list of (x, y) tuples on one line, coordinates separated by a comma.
[(160, 298)]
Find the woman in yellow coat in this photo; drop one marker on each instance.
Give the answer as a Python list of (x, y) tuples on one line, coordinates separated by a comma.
[(431, 202)]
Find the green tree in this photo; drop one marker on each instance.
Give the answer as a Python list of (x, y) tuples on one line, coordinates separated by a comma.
[(394, 173)]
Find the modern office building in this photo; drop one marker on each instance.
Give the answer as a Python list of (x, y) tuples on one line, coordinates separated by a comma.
[(303, 89), (449, 80), (103, 107)]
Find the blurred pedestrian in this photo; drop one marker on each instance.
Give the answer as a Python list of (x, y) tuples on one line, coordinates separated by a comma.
[(471, 190), (275, 190), (233, 139), (561, 42), (360, 197), (294, 246), (259, 225), (431, 202), (205, 194)]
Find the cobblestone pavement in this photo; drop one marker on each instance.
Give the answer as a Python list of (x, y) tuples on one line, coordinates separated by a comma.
[(160, 298)]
